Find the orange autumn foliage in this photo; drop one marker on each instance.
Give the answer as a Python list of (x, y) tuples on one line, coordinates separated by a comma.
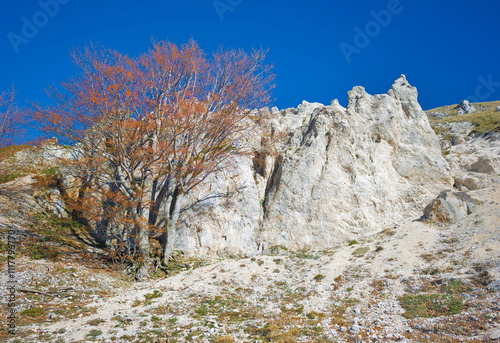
[(147, 130)]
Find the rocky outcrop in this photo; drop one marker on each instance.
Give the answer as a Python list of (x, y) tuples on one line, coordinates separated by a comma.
[(465, 107), (476, 161), (355, 170), (342, 173), (449, 207), (51, 201)]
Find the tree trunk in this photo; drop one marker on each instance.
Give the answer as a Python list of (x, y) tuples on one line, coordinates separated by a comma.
[(144, 259), (143, 267), (171, 218)]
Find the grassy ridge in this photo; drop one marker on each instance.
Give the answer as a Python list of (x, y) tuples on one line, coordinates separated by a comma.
[(485, 119)]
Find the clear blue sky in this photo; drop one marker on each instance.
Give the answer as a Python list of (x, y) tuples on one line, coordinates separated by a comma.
[(447, 49)]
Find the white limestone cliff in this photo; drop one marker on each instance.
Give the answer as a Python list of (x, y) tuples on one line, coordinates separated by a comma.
[(343, 173)]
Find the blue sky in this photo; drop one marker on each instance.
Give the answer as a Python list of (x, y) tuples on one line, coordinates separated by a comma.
[(320, 49)]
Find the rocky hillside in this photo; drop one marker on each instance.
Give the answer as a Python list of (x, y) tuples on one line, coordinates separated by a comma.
[(370, 223)]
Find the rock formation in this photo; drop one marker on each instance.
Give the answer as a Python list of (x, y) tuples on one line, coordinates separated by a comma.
[(449, 207), (464, 107), (343, 173)]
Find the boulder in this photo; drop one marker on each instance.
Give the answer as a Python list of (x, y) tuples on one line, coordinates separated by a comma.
[(471, 182), (464, 107), (449, 207), (483, 165)]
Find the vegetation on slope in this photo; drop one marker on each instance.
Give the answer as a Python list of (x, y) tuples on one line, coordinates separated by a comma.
[(485, 118)]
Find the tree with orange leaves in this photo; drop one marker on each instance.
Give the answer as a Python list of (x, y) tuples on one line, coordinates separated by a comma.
[(148, 130), (11, 118)]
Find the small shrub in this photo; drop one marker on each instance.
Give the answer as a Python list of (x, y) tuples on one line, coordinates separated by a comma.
[(431, 271), (353, 242), (33, 312), (156, 319), (156, 294), (319, 277), (94, 333), (315, 315), (95, 322), (202, 311)]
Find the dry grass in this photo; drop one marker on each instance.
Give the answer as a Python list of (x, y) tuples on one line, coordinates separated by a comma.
[(486, 118)]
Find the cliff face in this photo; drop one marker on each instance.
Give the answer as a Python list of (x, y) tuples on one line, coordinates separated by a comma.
[(342, 173)]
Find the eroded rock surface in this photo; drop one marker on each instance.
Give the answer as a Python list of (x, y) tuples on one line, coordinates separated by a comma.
[(344, 172)]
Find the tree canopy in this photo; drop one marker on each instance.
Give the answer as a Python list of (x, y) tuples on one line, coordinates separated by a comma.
[(147, 130)]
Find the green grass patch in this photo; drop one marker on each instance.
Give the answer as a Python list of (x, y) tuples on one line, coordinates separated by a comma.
[(41, 251), (430, 305), (50, 171), (438, 130), (4, 178), (456, 287), (33, 312), (483, 122), (94, 333), (65, 231), (231, 309)]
